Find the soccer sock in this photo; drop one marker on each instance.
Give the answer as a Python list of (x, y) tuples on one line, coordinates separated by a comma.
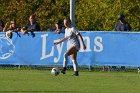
[(65, 60), (75, 65)]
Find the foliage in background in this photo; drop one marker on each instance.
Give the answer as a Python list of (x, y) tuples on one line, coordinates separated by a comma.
[(46, 11), (89, 14), (102, 14)]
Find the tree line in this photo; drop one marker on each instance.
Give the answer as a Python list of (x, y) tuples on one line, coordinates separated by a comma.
[(90, 15)]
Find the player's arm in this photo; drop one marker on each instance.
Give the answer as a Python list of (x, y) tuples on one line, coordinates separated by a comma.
[(62, 40), (81, 39)]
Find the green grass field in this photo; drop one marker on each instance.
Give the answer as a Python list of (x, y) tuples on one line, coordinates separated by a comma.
[(41, 81)]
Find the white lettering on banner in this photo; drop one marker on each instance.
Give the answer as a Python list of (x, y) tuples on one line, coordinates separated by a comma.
[(44, 37), (59, 48), (87, 43), (98, 47)]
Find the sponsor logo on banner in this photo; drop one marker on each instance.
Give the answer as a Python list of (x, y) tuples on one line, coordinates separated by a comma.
[(7, 47)]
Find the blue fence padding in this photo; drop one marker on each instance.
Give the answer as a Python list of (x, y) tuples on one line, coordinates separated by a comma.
[(103, 49)]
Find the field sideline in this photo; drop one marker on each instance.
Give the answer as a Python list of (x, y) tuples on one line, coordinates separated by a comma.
[(41, 81)]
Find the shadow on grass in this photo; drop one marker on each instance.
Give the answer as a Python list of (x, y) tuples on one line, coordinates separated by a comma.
[(37, 91)]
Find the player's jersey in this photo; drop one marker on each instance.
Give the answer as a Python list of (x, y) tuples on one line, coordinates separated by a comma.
[(71, 34)]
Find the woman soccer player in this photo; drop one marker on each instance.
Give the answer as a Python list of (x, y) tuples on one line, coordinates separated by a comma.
[(72, 35)]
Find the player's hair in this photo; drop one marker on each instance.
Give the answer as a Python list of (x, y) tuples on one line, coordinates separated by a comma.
[(68, 20)]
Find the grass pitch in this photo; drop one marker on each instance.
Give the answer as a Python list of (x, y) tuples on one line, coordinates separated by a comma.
[(41, 81)]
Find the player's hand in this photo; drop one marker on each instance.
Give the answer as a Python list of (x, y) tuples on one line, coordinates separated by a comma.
[(56, 43)]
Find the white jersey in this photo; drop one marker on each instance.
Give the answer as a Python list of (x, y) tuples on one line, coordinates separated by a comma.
[(71, 33)]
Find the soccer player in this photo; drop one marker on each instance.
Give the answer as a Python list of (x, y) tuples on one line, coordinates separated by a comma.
[(72, 35)]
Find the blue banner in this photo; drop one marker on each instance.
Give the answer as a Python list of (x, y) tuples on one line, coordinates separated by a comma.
[(103, 49)]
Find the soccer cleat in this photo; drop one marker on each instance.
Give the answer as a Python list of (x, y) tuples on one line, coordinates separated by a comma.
[(76, 73), (63, 71)]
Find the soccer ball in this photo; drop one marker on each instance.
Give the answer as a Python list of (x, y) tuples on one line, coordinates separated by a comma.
[(55, 71)]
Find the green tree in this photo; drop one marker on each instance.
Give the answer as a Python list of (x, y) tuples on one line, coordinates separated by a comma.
[(89, 14)]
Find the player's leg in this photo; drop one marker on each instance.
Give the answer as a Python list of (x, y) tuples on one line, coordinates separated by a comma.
[(75, 64), (67, 53)]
